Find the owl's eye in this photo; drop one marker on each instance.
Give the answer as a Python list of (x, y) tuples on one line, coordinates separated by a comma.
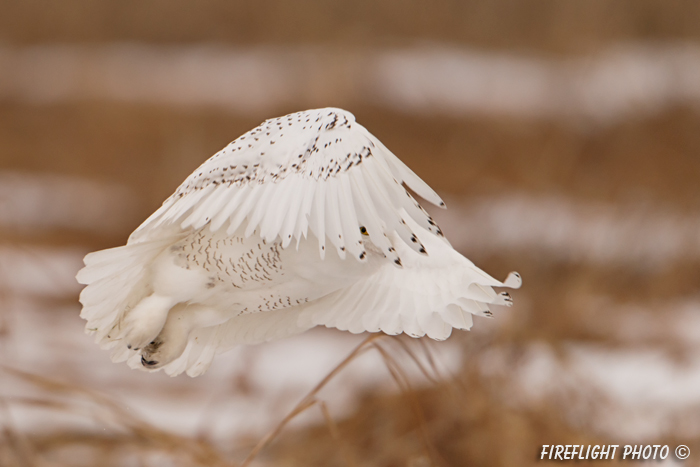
[(363, 231)]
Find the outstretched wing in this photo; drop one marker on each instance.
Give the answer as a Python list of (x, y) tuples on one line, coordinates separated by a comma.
[(317, 170)]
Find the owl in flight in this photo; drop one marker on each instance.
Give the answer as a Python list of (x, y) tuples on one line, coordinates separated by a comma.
[(302, 221)]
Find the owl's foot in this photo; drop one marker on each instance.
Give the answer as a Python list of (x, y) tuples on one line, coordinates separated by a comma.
[(145, 321), (172, 340), (164, 349)]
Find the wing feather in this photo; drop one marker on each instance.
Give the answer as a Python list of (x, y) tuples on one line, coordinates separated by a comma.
[(208, 207), (279, 208), (189, 202), (367, 212), (258, 212), (305, 212), (302, 224), (290, 216), (318, 219), (317, 169), (246, 205), (333, 226), (405, 175), (349, 222), (224, 215)]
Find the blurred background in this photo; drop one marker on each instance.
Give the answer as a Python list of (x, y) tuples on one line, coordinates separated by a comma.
[(564, 137)]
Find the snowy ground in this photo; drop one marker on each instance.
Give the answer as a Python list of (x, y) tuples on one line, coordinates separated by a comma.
[(643, 375), (246, 391), (647, 390)]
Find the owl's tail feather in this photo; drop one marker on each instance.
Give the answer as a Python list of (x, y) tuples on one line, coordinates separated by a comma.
[(117, 280)]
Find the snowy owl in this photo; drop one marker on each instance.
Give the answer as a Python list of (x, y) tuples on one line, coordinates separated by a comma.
[(302, 221)]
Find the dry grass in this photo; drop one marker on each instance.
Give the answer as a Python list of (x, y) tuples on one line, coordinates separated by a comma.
[(467, 419), (130, 437), (473, 417)]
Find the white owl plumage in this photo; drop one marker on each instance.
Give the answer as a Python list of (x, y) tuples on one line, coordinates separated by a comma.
[(238, 254)]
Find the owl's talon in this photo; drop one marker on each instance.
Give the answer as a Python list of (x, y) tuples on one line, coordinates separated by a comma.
[(148, 363)]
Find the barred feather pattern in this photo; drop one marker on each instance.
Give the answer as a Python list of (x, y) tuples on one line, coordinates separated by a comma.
[(254, 246)]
